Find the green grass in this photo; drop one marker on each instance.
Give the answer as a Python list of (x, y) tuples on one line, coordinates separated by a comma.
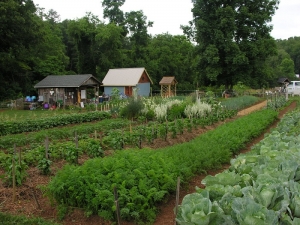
[(17, 115), (7, 219)]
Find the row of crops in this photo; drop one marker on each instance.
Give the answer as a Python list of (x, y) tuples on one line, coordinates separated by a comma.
[(260, 187), (145, 177), (93, 138), (137, 203)]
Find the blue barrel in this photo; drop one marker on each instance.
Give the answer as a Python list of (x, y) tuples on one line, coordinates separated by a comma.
[(28, 99)]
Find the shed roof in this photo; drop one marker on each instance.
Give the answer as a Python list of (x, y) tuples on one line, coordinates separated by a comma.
[(168, 80), (283, 80), (65, 81), (124, 77)]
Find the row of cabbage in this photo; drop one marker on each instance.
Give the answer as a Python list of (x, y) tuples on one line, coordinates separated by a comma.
[(143, 178), (260, 187)]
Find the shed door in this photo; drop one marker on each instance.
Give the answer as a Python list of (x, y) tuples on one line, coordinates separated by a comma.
[(128, 91)]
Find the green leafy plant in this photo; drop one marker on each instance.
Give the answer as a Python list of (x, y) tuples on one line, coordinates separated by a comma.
[(19, 168), (44, 166), (94, 149), (132, 109), (144, 177)]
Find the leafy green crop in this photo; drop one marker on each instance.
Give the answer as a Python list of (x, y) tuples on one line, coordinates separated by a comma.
[(145, 177), (260, 187), (7, 219), (16, 127)]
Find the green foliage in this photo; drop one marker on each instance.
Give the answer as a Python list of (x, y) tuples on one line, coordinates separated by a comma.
[(276, 102), (239, 103), (44, 166), (144, 177), (176, 111), (291, 46), (227, 44), (71, 153), (132, 109), (94, 149), (260, 187), (44, 123), (7, 219), (8, 141), (19, 168), (112, 11)]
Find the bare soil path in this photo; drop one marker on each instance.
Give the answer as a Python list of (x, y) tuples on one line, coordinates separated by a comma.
[(30, 200)]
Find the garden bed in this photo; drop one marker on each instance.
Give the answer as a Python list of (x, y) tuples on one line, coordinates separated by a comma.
[(27, 193)]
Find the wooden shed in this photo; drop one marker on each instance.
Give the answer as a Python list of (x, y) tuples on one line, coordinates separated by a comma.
[(125, 79), (67, 89), (168, 86)]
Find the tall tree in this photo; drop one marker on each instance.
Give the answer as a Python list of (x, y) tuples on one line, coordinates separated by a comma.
[(83, 32), (137, 26), (234, 39), (20, 31), (49, 55), (108, 48), (292, 47), (170, 55), (112, 11)]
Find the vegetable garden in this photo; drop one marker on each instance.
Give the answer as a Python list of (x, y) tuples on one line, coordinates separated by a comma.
[(260, 187), (106, 155)]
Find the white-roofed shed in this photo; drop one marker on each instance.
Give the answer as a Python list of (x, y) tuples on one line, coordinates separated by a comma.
[(125, 79)]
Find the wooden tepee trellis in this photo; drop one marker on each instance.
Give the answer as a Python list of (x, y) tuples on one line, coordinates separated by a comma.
[(168, 86)]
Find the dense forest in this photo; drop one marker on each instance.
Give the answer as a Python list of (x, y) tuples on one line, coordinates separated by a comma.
[(225, 43)]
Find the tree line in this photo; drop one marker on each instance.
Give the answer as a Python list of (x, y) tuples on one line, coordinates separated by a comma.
[(225, 43)]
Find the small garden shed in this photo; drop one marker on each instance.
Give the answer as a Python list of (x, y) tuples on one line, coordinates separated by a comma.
[(168, 86), (67, 89), (125, 79)]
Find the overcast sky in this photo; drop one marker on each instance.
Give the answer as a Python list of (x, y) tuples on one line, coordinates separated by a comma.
[(168, 15)]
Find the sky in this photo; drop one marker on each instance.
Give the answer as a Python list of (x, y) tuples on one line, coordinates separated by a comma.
[(168, 15)]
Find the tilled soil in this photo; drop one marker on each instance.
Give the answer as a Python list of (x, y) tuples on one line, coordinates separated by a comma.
[(30, 200)]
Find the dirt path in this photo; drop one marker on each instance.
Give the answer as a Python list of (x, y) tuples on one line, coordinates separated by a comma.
[(252, 108), (30, 200)]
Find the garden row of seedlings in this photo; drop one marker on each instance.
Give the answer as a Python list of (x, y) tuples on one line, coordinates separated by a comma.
[(260, 187), (105, 136), (143, 177)]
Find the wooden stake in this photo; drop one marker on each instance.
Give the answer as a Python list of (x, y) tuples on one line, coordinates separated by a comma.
[(47, 147), (76, 143), (35, 199), (117, 206), (14, 174), (177, 197), (20, 154), (130, 128)]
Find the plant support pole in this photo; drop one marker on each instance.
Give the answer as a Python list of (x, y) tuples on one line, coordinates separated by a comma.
[(117, 206), (177, 197), (14, 174)]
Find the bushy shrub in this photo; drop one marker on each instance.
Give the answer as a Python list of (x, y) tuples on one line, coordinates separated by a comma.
[(150, 115), (132, 109), (176, 111)]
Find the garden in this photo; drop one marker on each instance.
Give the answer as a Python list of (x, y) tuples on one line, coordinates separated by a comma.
[(121, 163)]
